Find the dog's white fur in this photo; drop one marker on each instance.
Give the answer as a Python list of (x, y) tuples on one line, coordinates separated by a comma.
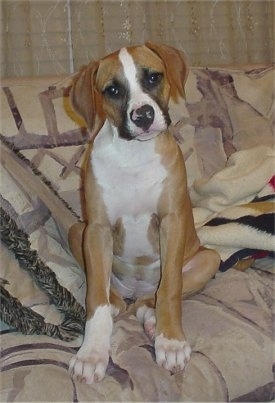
[(98, 331), (131, 179)]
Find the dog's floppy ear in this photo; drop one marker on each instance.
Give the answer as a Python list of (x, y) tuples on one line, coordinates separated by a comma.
[(86, 100), (175, 62)]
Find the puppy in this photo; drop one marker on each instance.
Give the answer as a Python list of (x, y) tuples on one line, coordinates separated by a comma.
[(139, 241)]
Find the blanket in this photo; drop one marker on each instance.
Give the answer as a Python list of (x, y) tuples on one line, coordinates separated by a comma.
[(234, 208)]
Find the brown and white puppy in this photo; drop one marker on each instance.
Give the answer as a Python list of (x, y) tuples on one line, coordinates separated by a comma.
[(139, 241)]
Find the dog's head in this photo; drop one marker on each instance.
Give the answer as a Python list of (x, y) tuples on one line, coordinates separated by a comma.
[(132, 89)]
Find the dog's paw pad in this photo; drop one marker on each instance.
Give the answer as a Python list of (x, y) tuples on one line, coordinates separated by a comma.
[(172, 354)]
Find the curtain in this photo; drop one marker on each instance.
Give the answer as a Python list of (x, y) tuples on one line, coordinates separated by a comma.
[(58, 36)]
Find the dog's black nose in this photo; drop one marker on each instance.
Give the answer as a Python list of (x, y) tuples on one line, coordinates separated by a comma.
[(143, 117)]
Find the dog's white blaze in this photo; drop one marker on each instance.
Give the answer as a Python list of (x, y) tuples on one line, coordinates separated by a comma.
[(130, 70), (137, 96)]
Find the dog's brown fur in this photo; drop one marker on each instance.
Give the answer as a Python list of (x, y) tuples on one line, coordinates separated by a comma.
[(185, 265)]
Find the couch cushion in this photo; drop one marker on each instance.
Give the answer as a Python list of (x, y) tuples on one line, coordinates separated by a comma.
[(229, 324)]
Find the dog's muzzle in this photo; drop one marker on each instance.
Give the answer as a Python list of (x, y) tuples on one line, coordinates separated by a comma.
[(143, 116)]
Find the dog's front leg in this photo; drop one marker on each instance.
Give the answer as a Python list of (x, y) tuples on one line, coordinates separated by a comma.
[(171, 348), (90, 363)]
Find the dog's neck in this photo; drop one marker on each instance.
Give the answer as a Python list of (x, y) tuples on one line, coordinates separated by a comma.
[(131, 152)]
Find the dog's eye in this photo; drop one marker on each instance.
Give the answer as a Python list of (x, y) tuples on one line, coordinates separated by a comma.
[(112, 91), (154, 78)]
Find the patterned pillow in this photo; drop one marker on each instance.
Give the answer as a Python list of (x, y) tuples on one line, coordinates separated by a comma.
[(38, 269)]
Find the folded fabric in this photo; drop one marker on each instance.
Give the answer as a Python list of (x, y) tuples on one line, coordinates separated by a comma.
[(234, 209), (246, 174), (242, 232)]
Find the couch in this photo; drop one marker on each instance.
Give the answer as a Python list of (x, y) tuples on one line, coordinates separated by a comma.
[(225, 134)]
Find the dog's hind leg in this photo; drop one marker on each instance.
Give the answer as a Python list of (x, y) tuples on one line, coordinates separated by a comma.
[(199, 270), (144, 309), (196, 274), (117, 302)]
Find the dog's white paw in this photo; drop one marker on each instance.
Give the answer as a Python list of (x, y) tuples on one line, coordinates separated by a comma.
[(90, 363), (172, 354), (89, 368), (147, 317)]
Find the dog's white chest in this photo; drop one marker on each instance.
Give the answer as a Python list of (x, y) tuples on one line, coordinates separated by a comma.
[(130, 175)]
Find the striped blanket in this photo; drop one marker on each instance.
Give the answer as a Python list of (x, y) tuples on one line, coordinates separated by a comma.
[(234, 209)]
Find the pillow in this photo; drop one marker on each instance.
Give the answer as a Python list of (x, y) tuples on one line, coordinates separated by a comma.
[(226, 110), (42, 131), (38, 271)]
